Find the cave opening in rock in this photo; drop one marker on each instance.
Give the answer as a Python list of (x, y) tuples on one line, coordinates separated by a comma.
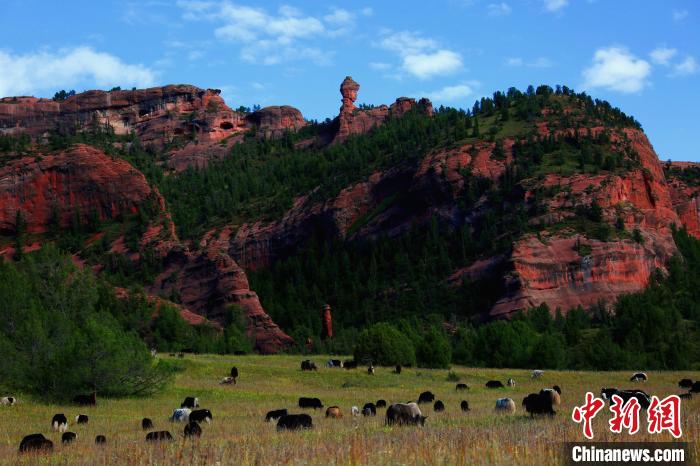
[(227, 125)]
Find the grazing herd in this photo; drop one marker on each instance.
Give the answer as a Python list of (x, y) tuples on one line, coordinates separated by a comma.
[(543, 402)]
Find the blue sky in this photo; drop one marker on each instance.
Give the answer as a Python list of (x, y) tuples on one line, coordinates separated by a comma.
[(643, 55)]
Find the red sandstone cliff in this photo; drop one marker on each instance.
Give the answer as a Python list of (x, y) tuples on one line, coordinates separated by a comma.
[(353, 120), (52, 189), (198, 119)]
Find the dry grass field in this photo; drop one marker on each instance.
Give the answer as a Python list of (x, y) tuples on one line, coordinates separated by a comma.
[(239, 434)]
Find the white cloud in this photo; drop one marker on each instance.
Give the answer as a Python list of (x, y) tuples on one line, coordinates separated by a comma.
[(420, 56), (616, 69), (499, 9), (367, 11), (686, 67), (427, 65), (555, 5), (68, 68), (662, 55), (451, 93), (539, 62), (272, 38), (680, 15)]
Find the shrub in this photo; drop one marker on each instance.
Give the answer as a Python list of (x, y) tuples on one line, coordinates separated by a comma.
[(383, 344), (434, 350)]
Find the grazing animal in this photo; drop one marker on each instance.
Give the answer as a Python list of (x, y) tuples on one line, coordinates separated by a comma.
[(553, 395), (59, 422), (381, 403), (334, 412), (426, 397), (158, 435), (464, 405), (695, 388), (234, 374), (683, 383), (190, 402), (639, 376), (397, 369), (11, 400), (643, 398), (557, 389), (606, 393), (35, 442), (439, 406), (494, 384), (462, 386), (369, 409), (334, 363), (294, 422), (350, 364), (227, 381), (314, 403), (200, 415), (308, 365), (370, 370), (100, 440), (146, 424), (539, 403), (355, 411), (193, 430), (405, 413), (686, 396), (276, 414), (510, 383), (81, 419), (181, 415), (86, 400), (536, 374), (505, 405), (68, 437)]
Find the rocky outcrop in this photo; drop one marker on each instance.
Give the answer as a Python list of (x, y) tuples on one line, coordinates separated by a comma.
[(353, 120), (197, 121), (566, 270), (272, 122), (51, 191), (209, 281), (54, 188), (685, 196), (326, 322)]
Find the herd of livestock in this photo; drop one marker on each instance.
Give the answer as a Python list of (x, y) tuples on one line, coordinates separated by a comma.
[(543, 402)]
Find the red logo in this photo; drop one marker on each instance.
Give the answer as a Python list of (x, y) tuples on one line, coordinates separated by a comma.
[(665, 415), (587, 412), (625, 415)]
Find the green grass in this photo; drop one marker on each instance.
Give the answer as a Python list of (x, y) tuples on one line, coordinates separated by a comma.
[(239, 435)]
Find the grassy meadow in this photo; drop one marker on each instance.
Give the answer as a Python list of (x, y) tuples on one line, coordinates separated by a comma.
[(239, 434)]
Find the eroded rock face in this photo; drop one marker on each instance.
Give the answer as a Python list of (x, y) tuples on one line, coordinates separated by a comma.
[(686, 199), (353, 120), (209, 281), (198, 118), (272, 122), (54, 187), (551, 269)]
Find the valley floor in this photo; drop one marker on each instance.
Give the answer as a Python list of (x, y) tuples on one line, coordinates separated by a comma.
[(239, 435)]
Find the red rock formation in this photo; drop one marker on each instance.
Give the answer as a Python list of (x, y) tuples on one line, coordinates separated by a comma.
[(549, 269), (327, 322), (209, 282), (352, 120), (273, 121), (56, 186), (199, 118), (685, 198)]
